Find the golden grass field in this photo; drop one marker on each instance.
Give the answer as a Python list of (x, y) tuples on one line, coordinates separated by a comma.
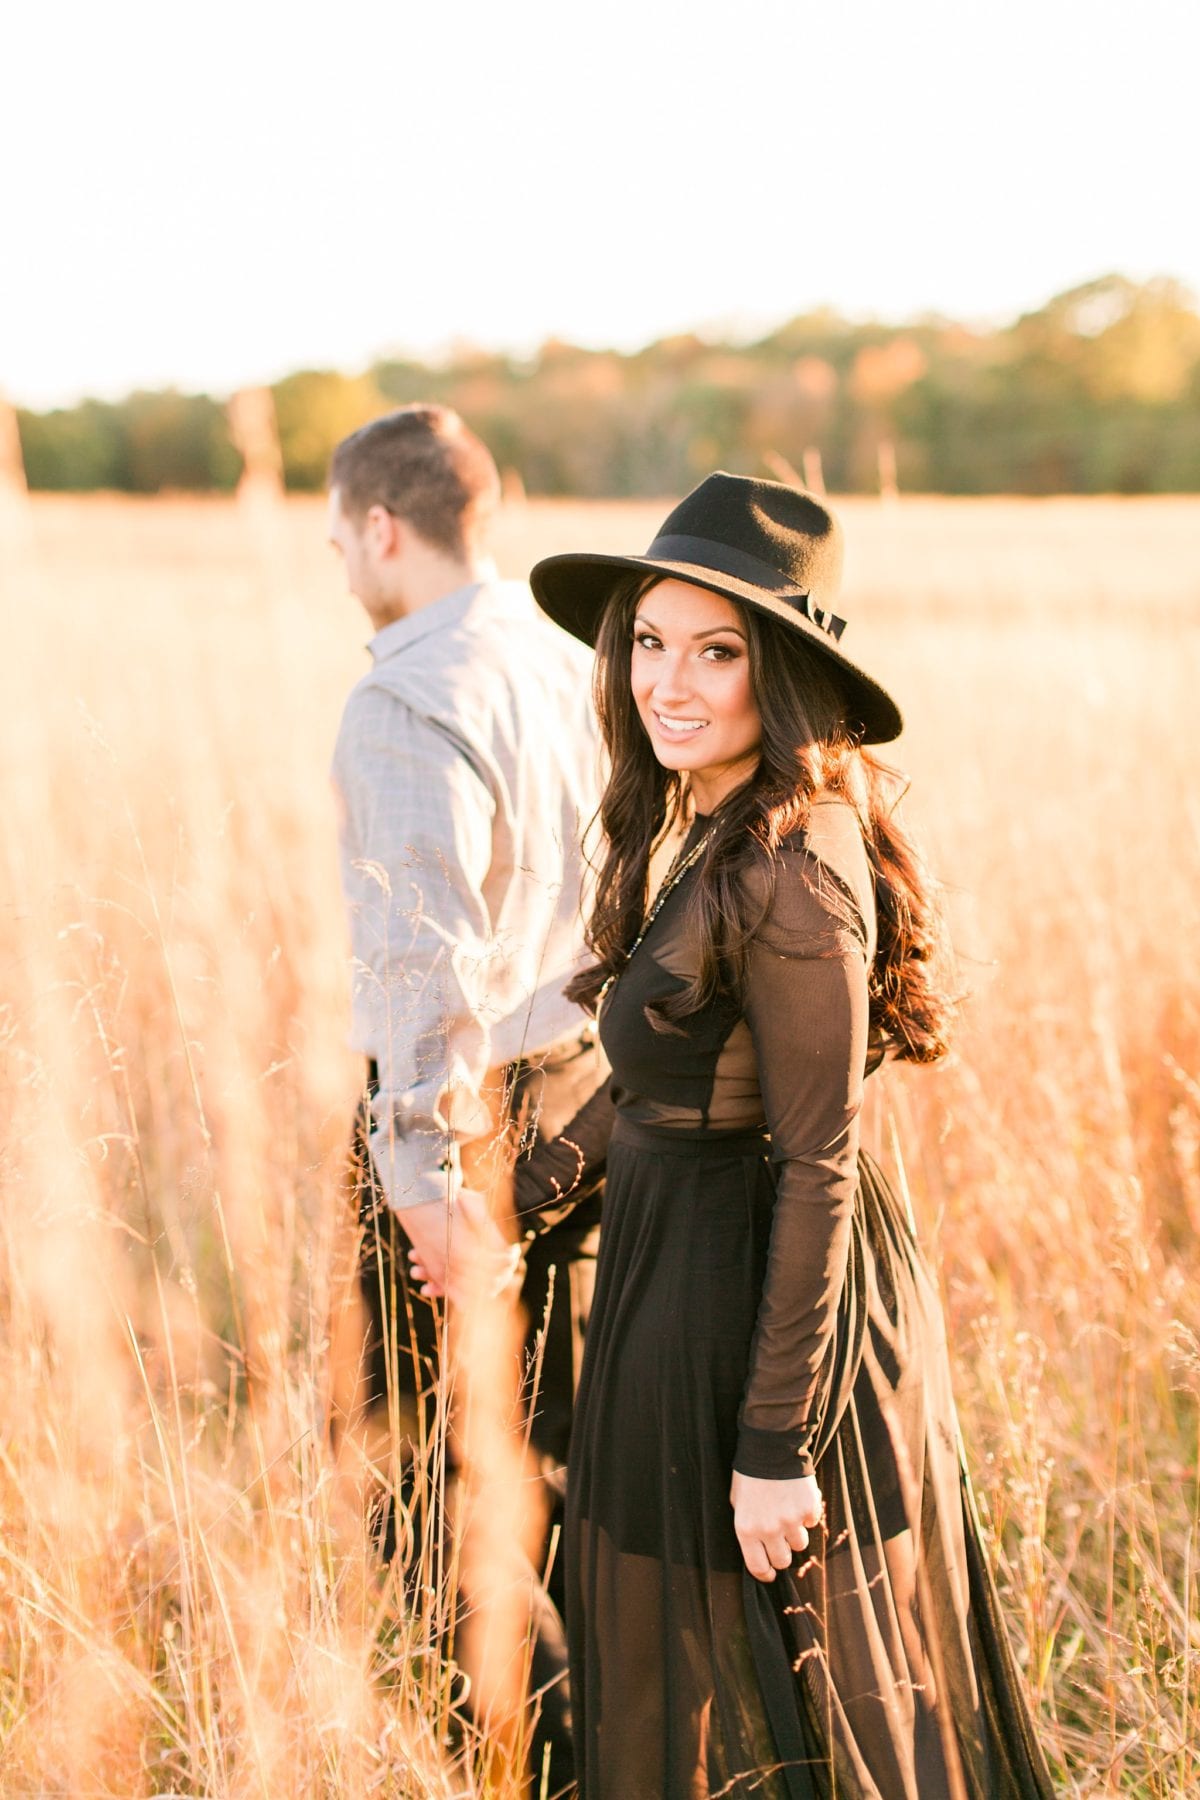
[(186, 1603)]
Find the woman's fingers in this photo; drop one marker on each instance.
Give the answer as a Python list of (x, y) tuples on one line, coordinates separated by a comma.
[(773, 1519), (779, 1552), (766, 1556), (756, 1559)]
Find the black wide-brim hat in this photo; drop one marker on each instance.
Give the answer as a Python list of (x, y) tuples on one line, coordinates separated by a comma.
[(772, 547)]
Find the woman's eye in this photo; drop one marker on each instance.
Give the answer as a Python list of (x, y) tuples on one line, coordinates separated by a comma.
[(645, 640), (720, 652)]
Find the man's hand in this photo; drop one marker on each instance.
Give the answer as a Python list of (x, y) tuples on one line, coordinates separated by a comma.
[(773, 1519), (463, 1255)]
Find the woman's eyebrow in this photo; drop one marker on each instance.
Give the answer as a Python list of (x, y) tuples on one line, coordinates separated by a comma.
[(713, 630)]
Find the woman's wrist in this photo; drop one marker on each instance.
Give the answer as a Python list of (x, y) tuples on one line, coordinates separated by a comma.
[(773, 1455)]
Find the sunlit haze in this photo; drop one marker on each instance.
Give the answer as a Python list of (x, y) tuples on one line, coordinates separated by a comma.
[(216, 196)]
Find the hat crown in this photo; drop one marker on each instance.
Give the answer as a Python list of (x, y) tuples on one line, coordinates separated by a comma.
[(785, 528)]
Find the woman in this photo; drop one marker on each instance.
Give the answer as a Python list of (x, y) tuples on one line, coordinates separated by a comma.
[(776, 1585)]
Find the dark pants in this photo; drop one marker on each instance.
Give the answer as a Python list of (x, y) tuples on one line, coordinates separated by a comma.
[(402, 1355)]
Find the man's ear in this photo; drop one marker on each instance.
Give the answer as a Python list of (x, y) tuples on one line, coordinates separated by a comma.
[(385, 532)]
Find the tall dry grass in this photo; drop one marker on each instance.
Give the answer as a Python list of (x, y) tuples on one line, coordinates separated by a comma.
[(187, 1601)]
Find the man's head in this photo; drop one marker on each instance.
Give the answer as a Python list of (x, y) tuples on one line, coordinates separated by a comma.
[(410, 498)]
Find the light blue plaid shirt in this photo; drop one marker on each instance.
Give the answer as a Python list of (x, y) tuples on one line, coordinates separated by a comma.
[(466, 770)]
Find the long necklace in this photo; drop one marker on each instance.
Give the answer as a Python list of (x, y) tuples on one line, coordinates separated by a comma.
[(670, 882)]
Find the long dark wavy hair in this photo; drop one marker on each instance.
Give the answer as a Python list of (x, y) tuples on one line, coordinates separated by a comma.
[(806, 750)]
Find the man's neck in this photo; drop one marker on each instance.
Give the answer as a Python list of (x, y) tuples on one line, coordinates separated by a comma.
[(429, 585)]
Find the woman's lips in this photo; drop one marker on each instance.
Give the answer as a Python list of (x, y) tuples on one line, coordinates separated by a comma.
[(678, 728)]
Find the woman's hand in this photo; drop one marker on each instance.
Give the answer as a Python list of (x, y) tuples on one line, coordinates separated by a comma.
[(773, 1519)]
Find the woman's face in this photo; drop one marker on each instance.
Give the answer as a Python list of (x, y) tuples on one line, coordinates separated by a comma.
[(690, 674)]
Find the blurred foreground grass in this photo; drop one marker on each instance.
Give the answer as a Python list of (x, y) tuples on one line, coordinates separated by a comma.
[(187, 1605)]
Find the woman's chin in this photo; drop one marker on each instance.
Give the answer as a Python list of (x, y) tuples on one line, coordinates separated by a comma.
[(670, 757), (680, 763)]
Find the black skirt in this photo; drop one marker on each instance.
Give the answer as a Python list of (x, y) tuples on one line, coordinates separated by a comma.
[(878, 1667)]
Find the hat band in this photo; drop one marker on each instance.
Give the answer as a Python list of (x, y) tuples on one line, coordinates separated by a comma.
[(706, 553)]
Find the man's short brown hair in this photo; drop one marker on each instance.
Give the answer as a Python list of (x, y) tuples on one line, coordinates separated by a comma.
[(424, 465)]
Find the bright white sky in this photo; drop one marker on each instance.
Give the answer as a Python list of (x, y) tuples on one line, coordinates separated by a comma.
[(221, 193)]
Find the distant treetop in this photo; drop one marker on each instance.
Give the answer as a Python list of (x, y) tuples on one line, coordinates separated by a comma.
[(1096, 392)]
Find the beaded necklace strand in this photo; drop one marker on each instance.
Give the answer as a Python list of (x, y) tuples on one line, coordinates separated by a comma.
[(670, 882)]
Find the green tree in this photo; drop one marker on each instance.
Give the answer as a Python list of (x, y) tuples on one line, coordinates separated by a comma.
[(177, 441), (315, 409), (74, 449)]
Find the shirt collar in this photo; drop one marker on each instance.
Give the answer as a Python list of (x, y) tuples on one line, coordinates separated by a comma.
[(401, 634)]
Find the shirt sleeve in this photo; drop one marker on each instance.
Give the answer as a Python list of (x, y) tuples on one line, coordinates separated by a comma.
[(807, 1009), (417, 845)]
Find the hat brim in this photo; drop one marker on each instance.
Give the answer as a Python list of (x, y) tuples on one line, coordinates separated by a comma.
[(574, 588)]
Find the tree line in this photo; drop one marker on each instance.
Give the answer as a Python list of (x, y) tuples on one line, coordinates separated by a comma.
[(1096, 392)]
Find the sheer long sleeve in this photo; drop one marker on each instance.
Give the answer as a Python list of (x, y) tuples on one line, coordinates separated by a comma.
[(560, 1172), (807, 1009)]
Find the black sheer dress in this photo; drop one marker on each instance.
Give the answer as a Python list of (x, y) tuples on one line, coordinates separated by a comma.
[(760, 1305)]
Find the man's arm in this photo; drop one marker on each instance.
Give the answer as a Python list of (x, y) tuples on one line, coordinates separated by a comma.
[(417, 845)]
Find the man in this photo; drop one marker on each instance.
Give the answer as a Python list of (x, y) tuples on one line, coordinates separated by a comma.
[(465, 769)]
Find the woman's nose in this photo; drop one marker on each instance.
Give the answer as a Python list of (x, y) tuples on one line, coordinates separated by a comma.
[(672, 685)]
